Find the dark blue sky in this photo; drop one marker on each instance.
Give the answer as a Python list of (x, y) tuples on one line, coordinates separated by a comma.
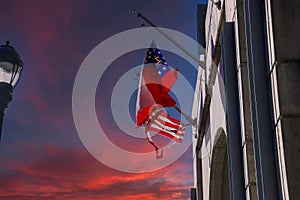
[(41, 155)]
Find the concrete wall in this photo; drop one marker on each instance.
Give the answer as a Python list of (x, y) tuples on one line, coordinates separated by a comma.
[(275, 49), (286, 20), (286, 65)]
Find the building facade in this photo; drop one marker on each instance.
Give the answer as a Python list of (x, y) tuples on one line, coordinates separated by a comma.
[(247, 101)]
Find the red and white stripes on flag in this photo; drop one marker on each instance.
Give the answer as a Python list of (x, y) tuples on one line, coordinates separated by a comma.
[(161, 123)]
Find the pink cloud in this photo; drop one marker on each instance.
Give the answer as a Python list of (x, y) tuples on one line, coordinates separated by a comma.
[(74, 174), (48, 52)]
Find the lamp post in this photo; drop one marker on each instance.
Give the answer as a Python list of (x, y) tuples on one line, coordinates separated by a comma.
[(11, 67)]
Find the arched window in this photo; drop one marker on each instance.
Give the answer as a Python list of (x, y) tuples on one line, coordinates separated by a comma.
[(219, 179)]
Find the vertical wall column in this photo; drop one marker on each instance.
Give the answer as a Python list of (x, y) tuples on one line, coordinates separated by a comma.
[(250, 185), (285, 74), (198, 184), (260, 99), (232, 113)]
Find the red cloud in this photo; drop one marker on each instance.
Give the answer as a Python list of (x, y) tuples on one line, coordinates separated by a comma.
[(74, 174)]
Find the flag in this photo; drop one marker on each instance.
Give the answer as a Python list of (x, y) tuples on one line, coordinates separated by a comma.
[(156, 80)]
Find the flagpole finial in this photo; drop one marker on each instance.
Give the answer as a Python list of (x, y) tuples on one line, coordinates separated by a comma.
[(135, 12)]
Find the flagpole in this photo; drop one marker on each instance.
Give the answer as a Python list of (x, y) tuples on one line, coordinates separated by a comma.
[(169, 38), (188, 118)]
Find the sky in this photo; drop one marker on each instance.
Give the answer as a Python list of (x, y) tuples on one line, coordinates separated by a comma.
[(42, 155)]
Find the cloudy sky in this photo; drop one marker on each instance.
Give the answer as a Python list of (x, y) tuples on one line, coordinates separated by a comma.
[(41, 153)]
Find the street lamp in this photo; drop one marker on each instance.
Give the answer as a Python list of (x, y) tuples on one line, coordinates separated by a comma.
[(11, 67)]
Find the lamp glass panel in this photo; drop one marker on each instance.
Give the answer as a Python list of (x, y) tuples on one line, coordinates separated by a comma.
[(9, 74)]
